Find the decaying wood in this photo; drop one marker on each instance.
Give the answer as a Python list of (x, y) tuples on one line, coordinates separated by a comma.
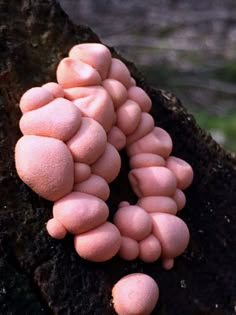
[(39, 275)]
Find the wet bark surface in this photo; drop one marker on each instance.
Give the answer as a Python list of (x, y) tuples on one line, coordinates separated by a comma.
[(39, 275)]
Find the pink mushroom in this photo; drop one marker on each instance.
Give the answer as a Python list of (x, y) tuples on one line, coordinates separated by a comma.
[(34, 98), (82, 171), (179, 198), (55, 89), (116, 90), (129, 248), (55, 179), (149, 249), (135, 294), (138, 95), (118, 71), (158, 204), (117, 138), (146, 160)]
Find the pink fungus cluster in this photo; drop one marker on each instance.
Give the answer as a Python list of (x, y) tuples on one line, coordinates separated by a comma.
[(73, 131)]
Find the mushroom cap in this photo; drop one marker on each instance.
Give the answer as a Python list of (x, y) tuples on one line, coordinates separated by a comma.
[(89, 143), (58, 119), (138, 95), (82, 172), (108, 165), (117, 138), (94, 185), (45, 165), (149, 249), (135, 294), (145, 126), (93, 102), (172, 233), (158, 142), (79, 212), (133, 222), (96, 55), (116, 90), (129, 248), (146, 160), (128, 117), (118, 71), (56, 229), (182, 170), (73, 73), (179, 198), (34, 98), (158, 204), (152, 181), (99, 244), (54, 88)]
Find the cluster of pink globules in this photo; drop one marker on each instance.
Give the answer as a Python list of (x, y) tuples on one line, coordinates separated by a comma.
[(73, 131)]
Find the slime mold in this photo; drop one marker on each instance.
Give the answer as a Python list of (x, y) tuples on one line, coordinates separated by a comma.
[(73, 131)]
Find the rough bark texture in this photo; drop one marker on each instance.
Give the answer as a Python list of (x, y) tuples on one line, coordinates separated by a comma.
[(40, 275)]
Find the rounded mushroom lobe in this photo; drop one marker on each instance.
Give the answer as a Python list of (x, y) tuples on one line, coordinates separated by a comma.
[(93, 102), (49, 170), (79, 212), (129, 248), (81, 172), (89, 143), (116, 90), (146, 160), (128, 117), (117, 138), (180, 199), (58, 119), (34, 98), (118, 71), (54, 88), (158, 204), (96, 55), (56, 229), (94, 185), (99, 244), (138, 95), (135, 294), (145, 126), (108, 165), (133, 222), (149, 249), (158, 142), (152, 181), (73, 73), (172, 233), (182, 170)]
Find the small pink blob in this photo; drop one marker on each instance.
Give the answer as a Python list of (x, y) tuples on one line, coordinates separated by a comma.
[(182, 170), (128, 117), (82, 172), (79, 212), (117, 138), (146, 160), (108, 165), (167, 263), (135, 294), (172, 233), (133, 222), (138, 95), (145, 126), (56, 229), (180, 199), (96, 55), (149, 249), (49, 169), (89, 143), (118, 71), (152, 181), (116, 90), (99, 244), (58, 119), (54, 88), (95, 186), (129, 248), (34, 98), (158, 141), (73, 73), (158, 204)]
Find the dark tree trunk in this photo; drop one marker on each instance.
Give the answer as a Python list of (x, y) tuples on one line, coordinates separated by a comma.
[(39, 275)]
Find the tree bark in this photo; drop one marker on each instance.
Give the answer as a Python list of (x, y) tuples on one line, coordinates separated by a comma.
[(40, 275)]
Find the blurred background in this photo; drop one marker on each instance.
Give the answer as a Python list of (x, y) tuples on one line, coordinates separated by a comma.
[(187, 47)]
